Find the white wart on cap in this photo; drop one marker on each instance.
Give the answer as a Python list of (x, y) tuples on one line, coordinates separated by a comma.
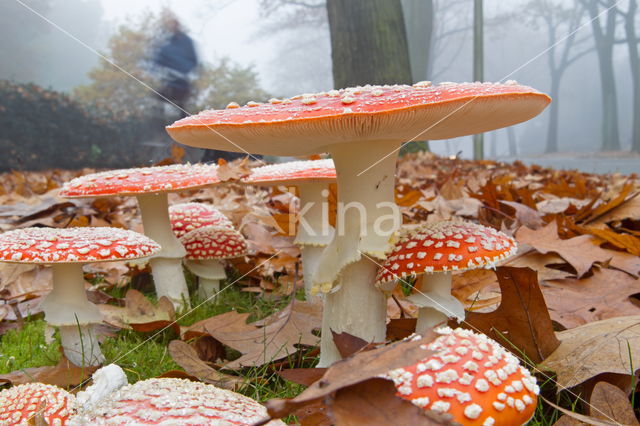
[(20, 404), (186, 217)]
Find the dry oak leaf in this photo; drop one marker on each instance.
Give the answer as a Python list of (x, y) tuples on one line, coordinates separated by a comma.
[(63, 374), (521, 320), (581, 252), (374, 402), (273, 338), (140, 314), (609, 402), (186, 357), (605, 346), (606, 294), (359, 368), (630, 209), (233, 171), (525, 215)]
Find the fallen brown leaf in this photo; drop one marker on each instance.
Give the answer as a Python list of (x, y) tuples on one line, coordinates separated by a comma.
[(608, 402), (606, 346), (233, 171), (140, 314), (64, 374), (605, 294), (374, 402), (357, 369), (521, 320), (187, 357)]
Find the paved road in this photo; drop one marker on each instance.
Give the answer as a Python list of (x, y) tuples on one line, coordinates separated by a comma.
[(586, 164)]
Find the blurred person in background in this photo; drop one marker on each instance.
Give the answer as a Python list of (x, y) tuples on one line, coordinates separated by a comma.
[(174, 60)]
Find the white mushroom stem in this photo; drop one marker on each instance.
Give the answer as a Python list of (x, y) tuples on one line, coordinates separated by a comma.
[(166, 266), (209, 273), (314, 230), (353, 308), (366, 219), (68, 308), (435, 302)]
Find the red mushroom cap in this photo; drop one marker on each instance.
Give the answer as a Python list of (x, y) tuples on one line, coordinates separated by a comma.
[(186, 217), (175, 402), (21, 403), (214, 242), (73, 245), (144, 180), (445, 246), (472, 378), (375, 113), (293, 172)]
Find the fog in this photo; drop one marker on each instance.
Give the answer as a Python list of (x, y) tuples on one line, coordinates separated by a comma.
[(290, 51)]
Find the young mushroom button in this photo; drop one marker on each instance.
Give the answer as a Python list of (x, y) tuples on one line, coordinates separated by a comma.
[(431, 251), (362, 128), (150, 186), (206, 247), (471, 377), (186, 217), (174, 402), (65, 250), (312, 178)]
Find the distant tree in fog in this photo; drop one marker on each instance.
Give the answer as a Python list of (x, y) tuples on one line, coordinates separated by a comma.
[(603, 15), (633, 44), (559, 19)]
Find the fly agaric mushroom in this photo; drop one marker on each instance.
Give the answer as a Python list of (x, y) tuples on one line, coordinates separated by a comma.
[(186, 217), (362, 128), (472, 378), (66, 250), (150, 186), (432, 251), (21, 404), (205, 247), (312, 179), (174, 402)]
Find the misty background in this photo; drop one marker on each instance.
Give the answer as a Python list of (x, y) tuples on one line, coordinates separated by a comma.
[(283, 47)]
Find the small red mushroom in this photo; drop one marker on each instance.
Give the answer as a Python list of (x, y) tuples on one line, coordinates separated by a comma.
[(472, 378), (206, 247), (21, 404), (150, 186), (312, 179), (186, 217), (431, 251), (66, 250), (174, 402)]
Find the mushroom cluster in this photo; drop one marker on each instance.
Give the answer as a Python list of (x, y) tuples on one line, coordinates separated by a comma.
[(150, 186), (362, 128)]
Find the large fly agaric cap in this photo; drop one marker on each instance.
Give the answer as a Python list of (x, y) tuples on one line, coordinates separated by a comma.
[(443, 247), (472, 378), (293, 172), (73, 245), (142, 180), (214, 242), (21, 404), (175, 402), (376, 113), (185, 217)]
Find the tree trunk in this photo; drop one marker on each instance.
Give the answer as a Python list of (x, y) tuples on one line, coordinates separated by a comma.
[(554, 112), (419, 23), (634, 61), (604, 45), (368, 42)]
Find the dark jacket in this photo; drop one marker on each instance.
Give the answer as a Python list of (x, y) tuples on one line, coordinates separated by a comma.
[(177, 53)]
